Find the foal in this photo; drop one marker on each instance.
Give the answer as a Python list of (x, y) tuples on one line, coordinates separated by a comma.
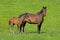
[(13, 21)]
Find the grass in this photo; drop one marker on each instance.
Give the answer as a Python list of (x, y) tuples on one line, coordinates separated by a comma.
[(50, 29)]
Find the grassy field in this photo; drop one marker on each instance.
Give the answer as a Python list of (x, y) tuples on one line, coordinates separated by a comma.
[(50, 29)]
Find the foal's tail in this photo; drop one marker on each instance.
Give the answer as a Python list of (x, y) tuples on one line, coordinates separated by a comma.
[(9, 22)]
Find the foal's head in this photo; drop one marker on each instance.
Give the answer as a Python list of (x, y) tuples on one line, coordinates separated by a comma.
[(44, 10)]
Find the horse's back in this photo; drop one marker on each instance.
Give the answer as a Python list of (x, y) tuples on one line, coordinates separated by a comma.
[(32, 18)]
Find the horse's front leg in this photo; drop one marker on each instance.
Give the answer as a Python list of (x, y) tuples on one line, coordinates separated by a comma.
[(39, 26)]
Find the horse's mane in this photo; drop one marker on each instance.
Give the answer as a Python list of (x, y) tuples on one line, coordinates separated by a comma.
[(40, 12), (22, 15)]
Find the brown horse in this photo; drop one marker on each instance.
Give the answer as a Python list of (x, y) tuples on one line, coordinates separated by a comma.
[(13, 21), (37, 18)]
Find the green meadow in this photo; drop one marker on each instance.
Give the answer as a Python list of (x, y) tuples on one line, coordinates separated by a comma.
[(50, 29)]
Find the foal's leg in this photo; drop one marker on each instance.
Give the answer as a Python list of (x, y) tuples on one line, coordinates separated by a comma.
[(18, 28), (11, 28)]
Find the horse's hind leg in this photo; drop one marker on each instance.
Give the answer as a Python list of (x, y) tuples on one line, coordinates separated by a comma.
[(23, 26), (20, 28)]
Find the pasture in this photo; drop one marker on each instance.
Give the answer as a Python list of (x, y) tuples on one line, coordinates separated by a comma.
[(51, 26)]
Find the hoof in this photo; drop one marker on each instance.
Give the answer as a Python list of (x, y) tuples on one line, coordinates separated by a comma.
[(38, 32)]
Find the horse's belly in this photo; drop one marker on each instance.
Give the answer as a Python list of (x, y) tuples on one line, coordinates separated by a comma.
[(33, 21)]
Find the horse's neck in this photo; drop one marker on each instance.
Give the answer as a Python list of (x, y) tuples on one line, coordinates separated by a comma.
[(40, 15)]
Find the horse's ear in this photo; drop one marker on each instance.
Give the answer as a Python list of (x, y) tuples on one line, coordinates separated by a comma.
[(43, 6)]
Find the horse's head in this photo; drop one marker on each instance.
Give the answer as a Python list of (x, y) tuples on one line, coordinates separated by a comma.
[(44, 10)]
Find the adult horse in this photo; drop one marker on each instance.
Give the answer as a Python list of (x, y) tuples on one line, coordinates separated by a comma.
[(37, 18), (13, 21)]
